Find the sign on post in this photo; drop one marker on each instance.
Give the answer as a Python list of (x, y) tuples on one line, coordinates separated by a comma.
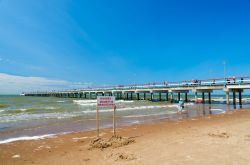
[(105, 101)]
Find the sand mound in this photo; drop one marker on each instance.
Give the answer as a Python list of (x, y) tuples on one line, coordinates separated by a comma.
[(114, 142)]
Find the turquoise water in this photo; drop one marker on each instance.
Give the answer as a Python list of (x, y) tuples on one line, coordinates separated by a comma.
[(31, 116)]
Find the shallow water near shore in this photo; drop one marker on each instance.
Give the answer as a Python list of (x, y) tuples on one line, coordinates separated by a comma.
[(40, 116)]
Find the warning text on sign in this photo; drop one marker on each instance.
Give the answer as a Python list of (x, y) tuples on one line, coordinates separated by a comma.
[(105, 101)]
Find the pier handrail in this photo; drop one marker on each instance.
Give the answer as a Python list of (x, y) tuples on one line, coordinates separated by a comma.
[(239, 80)]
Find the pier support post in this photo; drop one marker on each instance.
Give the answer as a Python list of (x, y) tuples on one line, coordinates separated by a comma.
[(166, 96), (179, 96), (240, 99), (127, 96), (195, 97), (203, 98), (131, 96), (144, 96), (172, 97), (151, 96), (227, 97), (138, 96), (234, 99), (209, 97), (160, 96), (186, 97)]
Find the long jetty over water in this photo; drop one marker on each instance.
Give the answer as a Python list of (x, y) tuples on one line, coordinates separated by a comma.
[(165, 90)]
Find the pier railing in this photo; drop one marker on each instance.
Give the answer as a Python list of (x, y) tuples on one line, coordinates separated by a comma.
[(241, 80)]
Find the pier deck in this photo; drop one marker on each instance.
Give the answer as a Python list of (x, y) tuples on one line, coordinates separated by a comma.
[(134, 91)]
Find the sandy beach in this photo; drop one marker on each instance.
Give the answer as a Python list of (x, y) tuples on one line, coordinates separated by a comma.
[(217, 139)]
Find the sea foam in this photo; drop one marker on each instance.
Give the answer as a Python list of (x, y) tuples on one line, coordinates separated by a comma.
[(93, 102), (133, 108), (26, 138)]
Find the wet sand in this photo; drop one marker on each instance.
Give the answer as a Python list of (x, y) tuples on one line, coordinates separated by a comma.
[(217, 139)]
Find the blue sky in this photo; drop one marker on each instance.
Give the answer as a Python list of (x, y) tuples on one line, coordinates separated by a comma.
[(121, 42)]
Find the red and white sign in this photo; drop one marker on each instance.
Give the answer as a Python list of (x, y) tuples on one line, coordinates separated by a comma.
[(105, 101)]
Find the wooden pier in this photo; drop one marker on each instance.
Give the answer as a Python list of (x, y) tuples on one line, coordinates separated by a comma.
[(166, 91)]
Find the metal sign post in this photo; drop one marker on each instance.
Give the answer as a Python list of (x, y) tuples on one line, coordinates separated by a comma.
[(97, 121), (105, 101), (114, 120)]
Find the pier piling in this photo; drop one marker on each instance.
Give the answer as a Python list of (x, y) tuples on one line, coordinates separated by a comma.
[(203, 97)]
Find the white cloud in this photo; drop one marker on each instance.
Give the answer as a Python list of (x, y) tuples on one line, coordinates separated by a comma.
[(3, 60), (12, 84)]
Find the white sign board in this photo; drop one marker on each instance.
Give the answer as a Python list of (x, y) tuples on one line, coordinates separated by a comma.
[(105, 101)]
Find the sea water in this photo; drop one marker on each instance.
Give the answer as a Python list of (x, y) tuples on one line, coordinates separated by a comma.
[(23, 117)]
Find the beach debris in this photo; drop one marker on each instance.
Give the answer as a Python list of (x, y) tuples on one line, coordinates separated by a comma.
[(114, 142), (122, 156), (16, 156), (42, 147), (101, 134), (219, 135), (86, 159), (189, 157), (247, 137), (80, 139), (3, 106)]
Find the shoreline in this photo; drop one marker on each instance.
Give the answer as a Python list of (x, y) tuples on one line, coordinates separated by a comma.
[(200, 110), (213, 132), (36, 116)]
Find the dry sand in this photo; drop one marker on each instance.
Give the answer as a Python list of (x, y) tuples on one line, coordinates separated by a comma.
[(221, 139)]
